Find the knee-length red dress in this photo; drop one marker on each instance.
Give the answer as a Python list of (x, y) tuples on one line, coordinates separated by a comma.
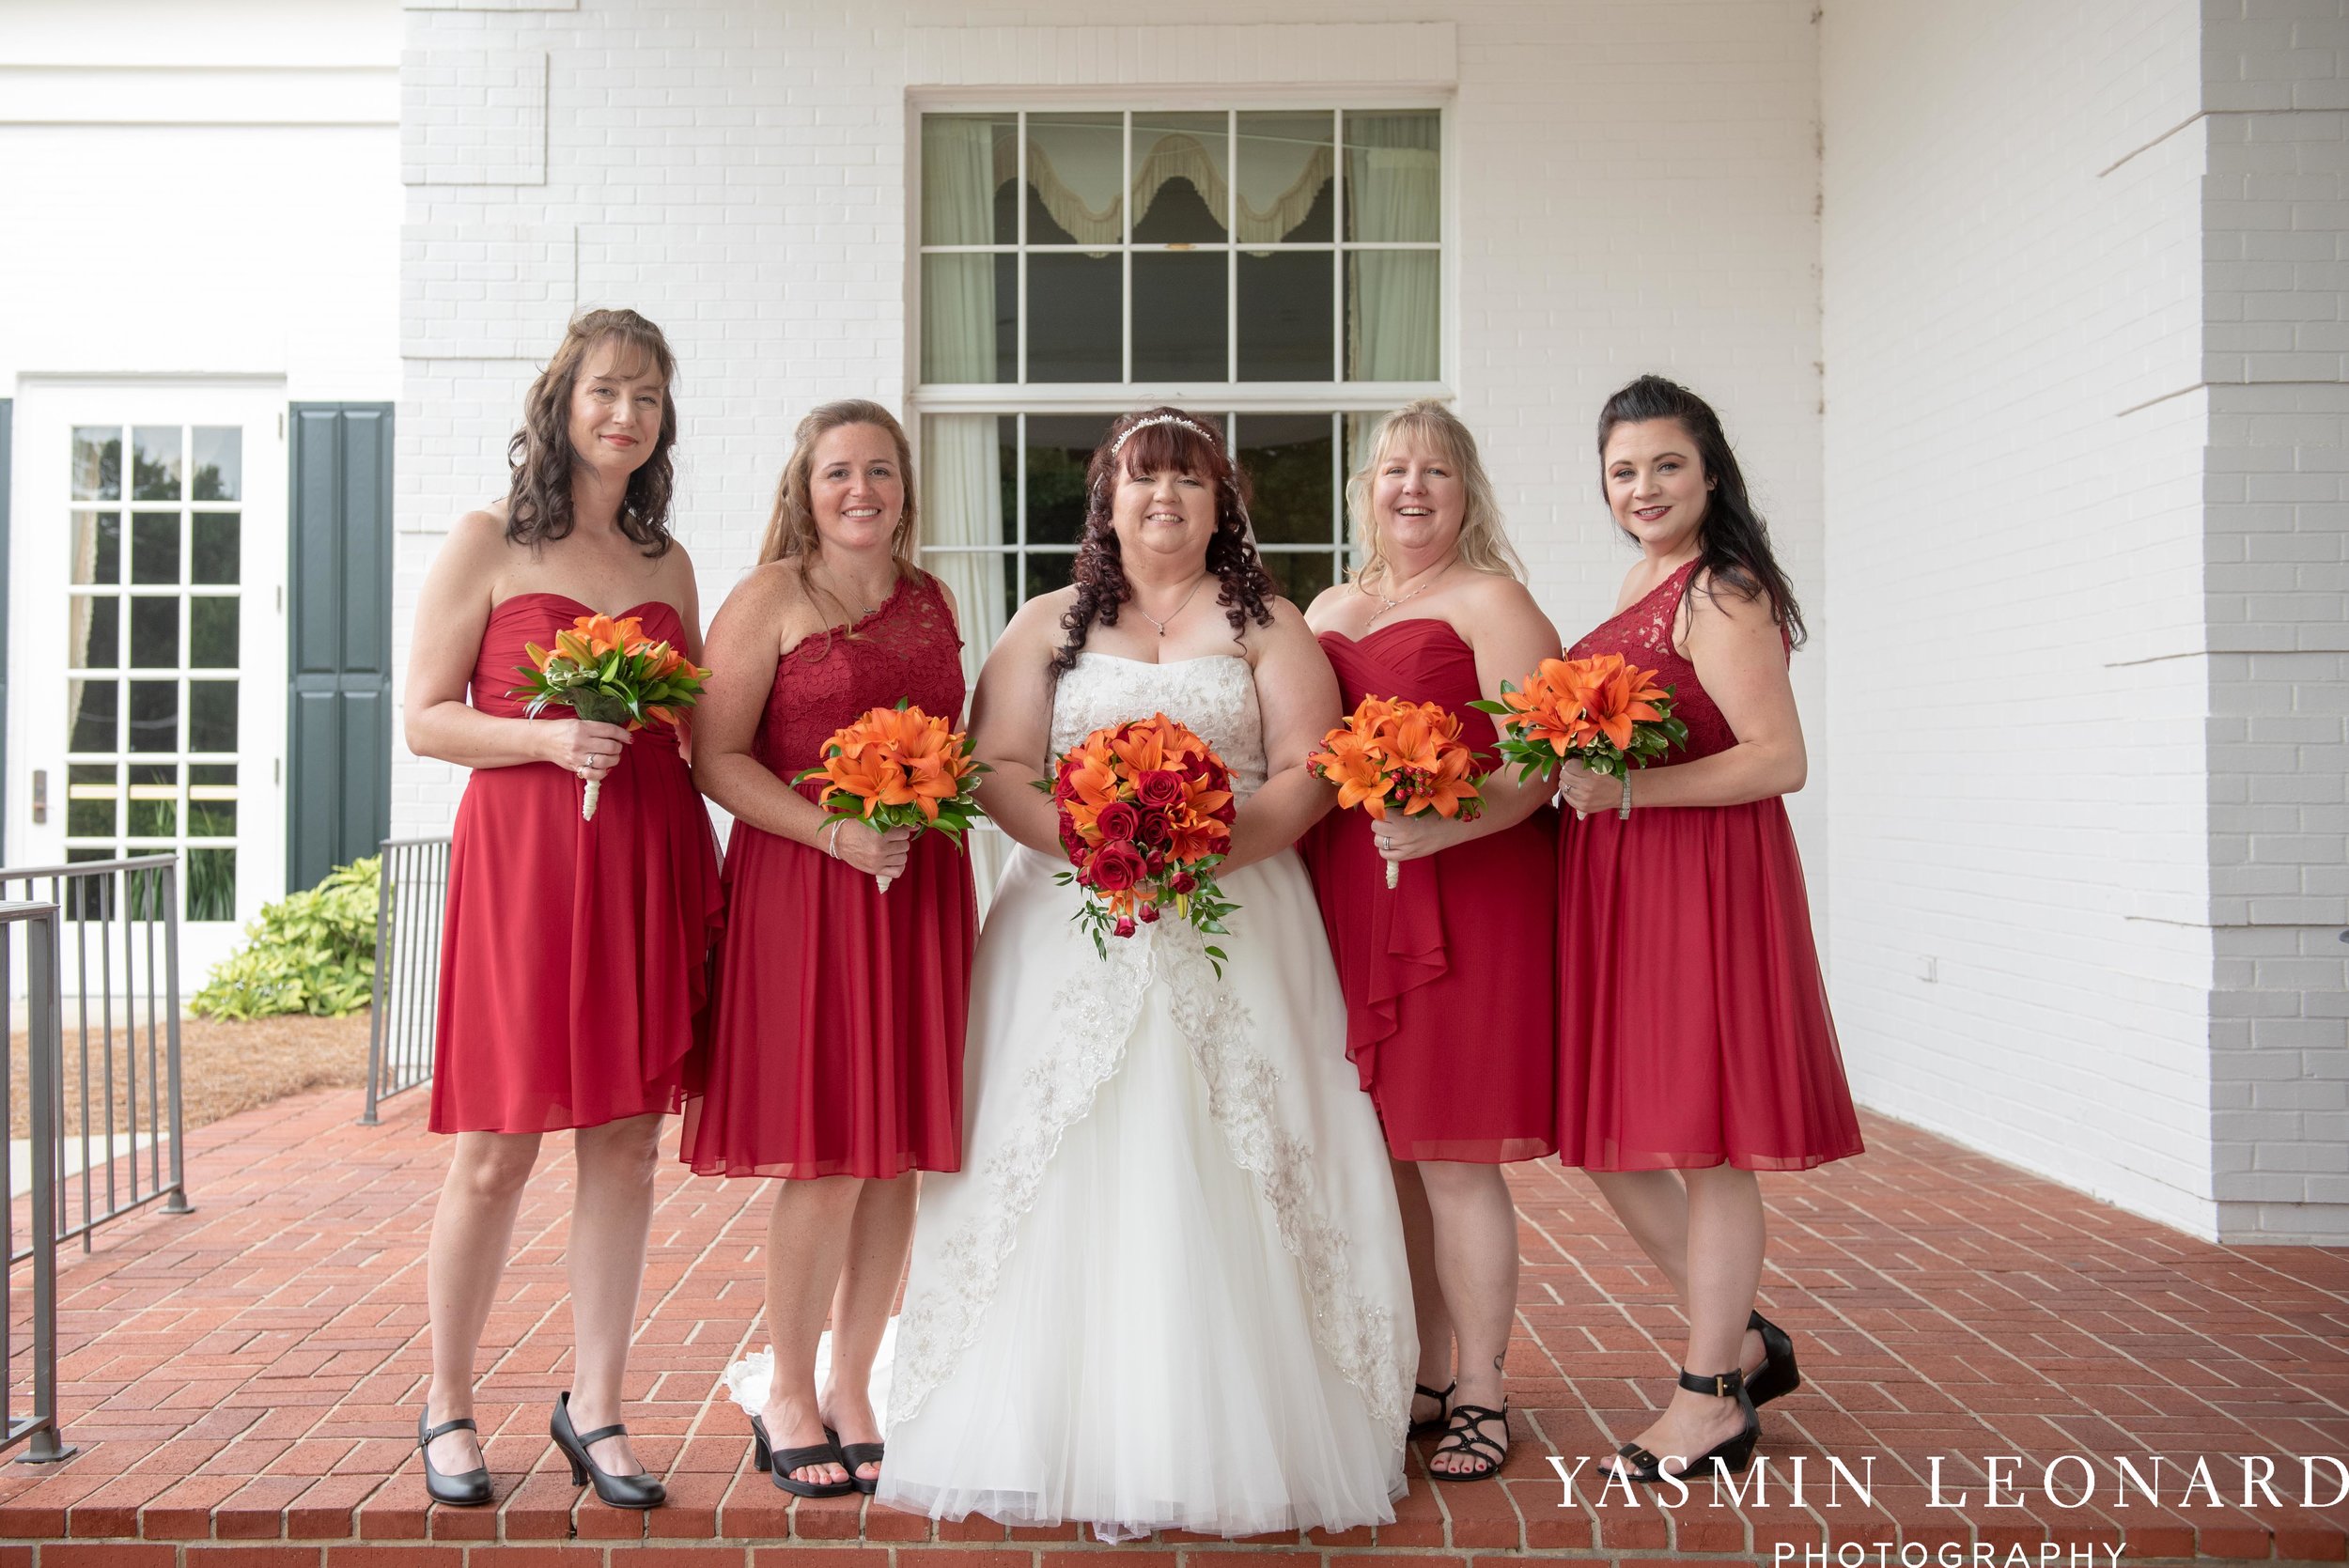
[(1450, 1014), (1693, 1023), (575, 957), (837, 1048)]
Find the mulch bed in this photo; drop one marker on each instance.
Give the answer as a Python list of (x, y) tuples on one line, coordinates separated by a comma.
[(225, 1066)]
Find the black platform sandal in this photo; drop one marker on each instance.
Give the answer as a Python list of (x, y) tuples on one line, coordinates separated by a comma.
[(1735, 1454), (466, 1489), (1777, 1376), (1464, 1433), (764, 1458), (621, 1491), (854, 1456), (1442, 1397)]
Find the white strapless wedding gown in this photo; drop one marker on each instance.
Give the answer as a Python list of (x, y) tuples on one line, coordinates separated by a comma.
[(1167, 1289)]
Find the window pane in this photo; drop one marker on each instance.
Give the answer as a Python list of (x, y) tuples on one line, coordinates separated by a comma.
[(1182, 182), (212, 801), (1075, 310), (1284, 316), (212, 716), (968, 316), (211, 633), (1048, 571), (1287, 183), (98, 462), (155, 547), (1392, 330), (92, 707), (155, 463), (1394, 177), (211, 884), (1076, 164), (1301, 574), (1007, 466), (1288, 459), (154, 716), (90, 801), (94, 633), (155, 633), (1180, 316), (219, 462), (98, 547), (969, 167), (154, 799), (90, 897), (1059, 446), (215, 548)]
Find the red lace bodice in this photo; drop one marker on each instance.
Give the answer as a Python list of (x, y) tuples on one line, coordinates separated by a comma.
[(1643, 635), (907, 648)]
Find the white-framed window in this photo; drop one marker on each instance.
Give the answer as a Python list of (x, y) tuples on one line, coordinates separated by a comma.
[(1280, 267)]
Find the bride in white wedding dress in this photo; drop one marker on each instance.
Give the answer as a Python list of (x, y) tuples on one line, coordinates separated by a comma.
[(1167, 1289)]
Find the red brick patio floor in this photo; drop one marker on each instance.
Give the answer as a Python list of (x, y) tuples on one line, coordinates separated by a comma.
[(242, 1383)]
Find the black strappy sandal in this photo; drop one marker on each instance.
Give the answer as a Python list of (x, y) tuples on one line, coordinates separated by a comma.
[(854, 1456), (1464, 1433), (1733, 1454), (1777, 1376), (1442, 1397), (765, 1457)]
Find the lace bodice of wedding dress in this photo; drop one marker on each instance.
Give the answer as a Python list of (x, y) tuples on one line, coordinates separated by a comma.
[(1214, 696)]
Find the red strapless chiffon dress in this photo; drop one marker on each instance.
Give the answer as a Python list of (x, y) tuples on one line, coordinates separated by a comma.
[(838, 1043), (1451, 1012), (575, 960), (1693, 1023)]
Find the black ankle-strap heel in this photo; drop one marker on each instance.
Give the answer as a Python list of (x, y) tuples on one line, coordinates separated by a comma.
[(1778, 1376), (466, 1488), (1442, 1397), (1733, 1454), (621, 1491)]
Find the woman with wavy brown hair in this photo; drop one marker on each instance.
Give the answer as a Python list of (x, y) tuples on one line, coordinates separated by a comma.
[(1168, 1289), (573, 959), (837, 1062)]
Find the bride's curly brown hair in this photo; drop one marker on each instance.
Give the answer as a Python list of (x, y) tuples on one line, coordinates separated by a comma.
[(1152, 440), (538, 496)]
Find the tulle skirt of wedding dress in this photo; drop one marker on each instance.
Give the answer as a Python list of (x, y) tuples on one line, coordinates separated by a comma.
[(1168, 1289)]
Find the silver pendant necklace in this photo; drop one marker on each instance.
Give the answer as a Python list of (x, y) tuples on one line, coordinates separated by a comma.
[(1386, 604), (1170, 620)]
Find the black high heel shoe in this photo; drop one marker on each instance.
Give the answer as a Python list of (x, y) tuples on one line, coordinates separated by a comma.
[(621, 1491), (854, 1456), (1777, 1376), (466, 1489), (764, 1458), (1735, 1454), (1464, 1435), (1442, 1397)]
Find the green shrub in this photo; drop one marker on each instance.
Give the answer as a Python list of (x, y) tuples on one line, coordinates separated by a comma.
[(311, 953)]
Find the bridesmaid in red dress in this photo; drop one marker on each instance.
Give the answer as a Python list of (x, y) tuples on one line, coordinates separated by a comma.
[(1696, 1048), (573, 963), (1440, 612), (837, 1062)]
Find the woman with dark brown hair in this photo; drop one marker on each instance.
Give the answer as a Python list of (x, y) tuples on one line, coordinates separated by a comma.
[(573, 961), (837, 1062), (1168, 1290)]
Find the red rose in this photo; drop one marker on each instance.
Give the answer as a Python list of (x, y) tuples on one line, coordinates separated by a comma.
[(1157, 830), (1124, 927), (1183, 882), (1160, 786), (1118, 820), (1149, 913), (1116, 866)]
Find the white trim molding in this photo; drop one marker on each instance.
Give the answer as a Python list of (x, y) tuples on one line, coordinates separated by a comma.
[(1354, 56)]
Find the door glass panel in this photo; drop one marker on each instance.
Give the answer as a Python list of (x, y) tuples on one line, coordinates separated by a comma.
[(154, 799), (219, 462), (212, 799), (93, 631), (211, 884), (98, 547), (213, 555), (155, 633), (98, 463), (93, 713), (90, 801), (154, 547), (211, 633), (154, 716), (212, 716), (155, 463)]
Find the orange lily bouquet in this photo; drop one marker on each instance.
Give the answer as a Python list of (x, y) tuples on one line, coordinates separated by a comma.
[(1407, 755), (1146, 814), (1600, 711), (899, 767), (610, 673)]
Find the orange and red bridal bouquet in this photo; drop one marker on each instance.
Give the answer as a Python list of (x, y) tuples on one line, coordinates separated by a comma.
[(610, 673), (1599, 711), (1146, 814), (1407, 756), (899, 767)]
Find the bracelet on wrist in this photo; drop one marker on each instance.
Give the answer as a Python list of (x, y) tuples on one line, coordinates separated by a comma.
[(1622, 807), (832, 840)]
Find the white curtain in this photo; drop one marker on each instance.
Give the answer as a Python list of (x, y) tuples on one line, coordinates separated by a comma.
[(957, 208), (962, 505), (1393, 193)]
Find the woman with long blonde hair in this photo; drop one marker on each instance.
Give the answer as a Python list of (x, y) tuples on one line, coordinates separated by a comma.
[(836, 1061), (1439, 613)]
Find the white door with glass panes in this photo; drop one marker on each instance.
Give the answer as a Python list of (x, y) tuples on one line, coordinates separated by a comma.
[(148, 638)]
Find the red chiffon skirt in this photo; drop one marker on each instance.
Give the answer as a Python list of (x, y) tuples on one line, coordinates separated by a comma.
[(575, 960), (837, 1048), (1694, 1022), (1451, 1001)]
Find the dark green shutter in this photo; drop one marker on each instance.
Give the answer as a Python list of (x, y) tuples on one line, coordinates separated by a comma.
[(339, 796)]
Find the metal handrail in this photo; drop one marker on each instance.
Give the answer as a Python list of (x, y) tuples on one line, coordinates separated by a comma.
[(411, 898), (45, 1061)]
